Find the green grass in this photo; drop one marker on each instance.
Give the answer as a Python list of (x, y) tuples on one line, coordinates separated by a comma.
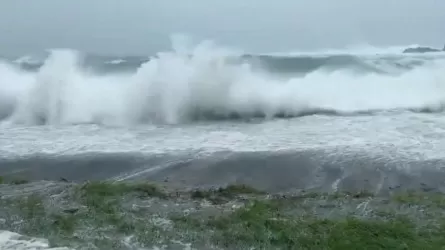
[(223, 194), (103, 196), (421, 198), (65, 222), (335, 195), (108, 189), (261, 225), (103, 200), (38, 220), (103, 208), (32, 207), (13, 180), (18, 181), (100, 210)]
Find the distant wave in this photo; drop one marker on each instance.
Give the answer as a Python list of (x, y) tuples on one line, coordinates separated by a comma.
[(362, 59), (271, 64), (212, 83)]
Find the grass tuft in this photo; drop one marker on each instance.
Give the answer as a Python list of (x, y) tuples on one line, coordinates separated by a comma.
[(421, 199), (19, 181), (261, 225), (13, 181), (102, 214), (223, 194), (32, 207), (65, 223), (109, 189), (361, 194)]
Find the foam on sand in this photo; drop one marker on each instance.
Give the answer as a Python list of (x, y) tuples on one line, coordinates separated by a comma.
[(14, 241)]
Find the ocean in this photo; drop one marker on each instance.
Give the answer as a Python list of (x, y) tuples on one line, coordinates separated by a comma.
[(207, 115), (80, 116)]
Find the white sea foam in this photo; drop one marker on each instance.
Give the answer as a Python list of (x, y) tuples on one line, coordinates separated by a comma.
[(189, 82), (14, 241), (117, 61)]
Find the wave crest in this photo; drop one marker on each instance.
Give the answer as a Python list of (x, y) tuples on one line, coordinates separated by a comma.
[(203, 82)]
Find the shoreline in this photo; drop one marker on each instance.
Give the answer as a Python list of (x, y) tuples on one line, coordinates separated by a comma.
[(144, 215), (291, 171)]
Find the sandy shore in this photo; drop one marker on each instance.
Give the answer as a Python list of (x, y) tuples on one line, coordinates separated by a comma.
[(274, 172)]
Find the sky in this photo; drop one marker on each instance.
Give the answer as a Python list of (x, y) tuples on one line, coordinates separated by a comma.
[(144, 26)]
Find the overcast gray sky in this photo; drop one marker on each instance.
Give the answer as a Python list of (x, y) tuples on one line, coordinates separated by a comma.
[(144, 26)]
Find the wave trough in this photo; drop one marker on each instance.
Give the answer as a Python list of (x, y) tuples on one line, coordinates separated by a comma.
[(207, 82)]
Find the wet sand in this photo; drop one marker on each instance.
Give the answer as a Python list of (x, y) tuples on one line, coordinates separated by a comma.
[(271, 171)]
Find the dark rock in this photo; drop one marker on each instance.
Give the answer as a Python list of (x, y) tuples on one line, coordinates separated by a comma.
[(71, 210), (420, 50), (61, 179)]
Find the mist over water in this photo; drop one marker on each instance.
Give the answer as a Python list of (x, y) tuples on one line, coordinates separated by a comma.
[(209, 82)]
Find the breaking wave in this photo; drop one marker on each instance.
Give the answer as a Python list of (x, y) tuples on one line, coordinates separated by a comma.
[(207, 82)]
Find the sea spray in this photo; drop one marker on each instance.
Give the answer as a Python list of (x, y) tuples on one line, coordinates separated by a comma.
[(204, 82)]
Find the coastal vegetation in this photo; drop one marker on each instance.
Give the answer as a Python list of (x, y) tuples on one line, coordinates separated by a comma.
[(121, 215)]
